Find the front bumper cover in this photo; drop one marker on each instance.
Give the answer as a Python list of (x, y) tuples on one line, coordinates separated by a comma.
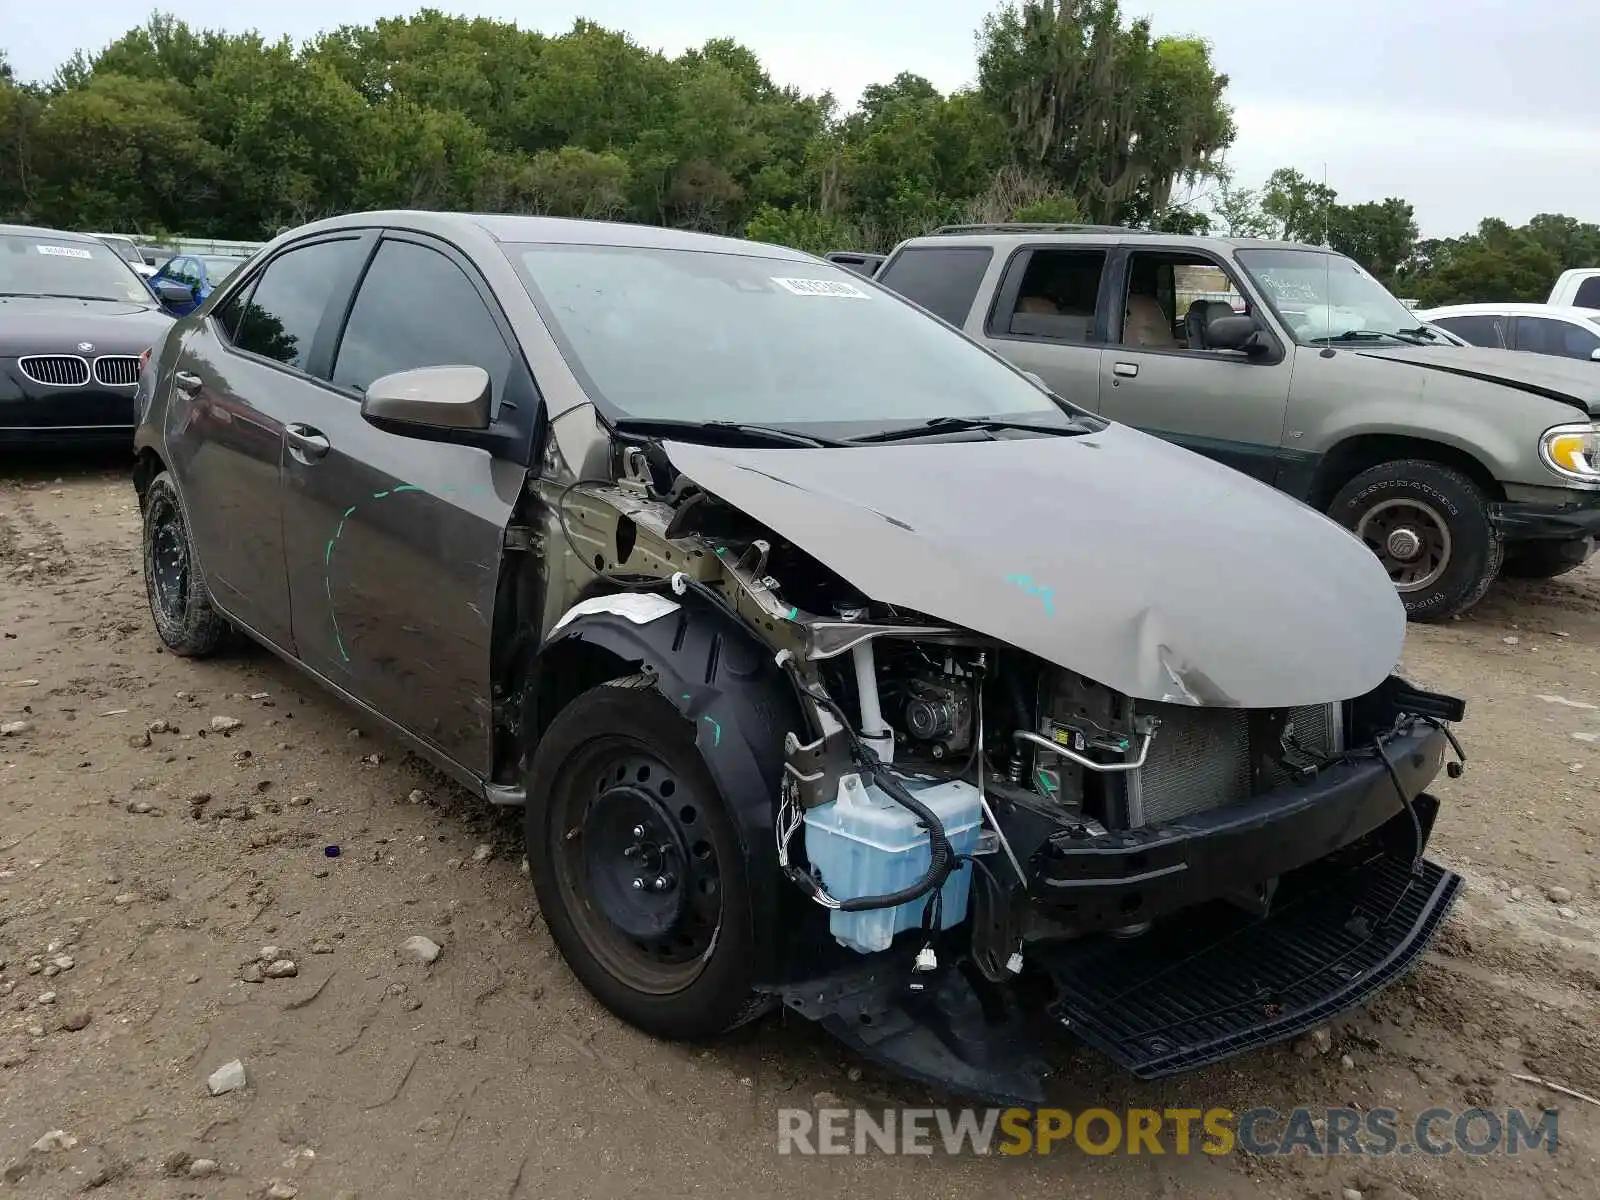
[(1209, 984), (1525, 521), (1112, 880), (1354, 908)]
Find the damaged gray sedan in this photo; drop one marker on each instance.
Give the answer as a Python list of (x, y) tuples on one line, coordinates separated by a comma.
[(838, 665)]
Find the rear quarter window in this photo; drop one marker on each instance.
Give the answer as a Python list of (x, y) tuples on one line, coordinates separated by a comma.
[(943, 279)]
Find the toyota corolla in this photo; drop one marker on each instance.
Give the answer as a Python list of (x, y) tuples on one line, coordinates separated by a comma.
[(835, 663)]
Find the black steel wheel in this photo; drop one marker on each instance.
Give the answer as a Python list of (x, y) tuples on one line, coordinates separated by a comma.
[(638, 871), (179, 604)]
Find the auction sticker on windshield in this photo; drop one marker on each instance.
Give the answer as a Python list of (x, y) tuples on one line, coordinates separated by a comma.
[(821, 287), (64, 251)]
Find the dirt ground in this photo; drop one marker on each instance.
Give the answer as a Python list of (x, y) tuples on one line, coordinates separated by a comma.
[(133, 915)]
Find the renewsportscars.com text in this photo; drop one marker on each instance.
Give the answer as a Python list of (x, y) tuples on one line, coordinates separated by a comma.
[(1180, 1131)]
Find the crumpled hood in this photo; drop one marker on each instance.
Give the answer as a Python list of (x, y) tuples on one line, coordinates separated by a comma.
[(56, 326), (1567, 379), (1143, 566)]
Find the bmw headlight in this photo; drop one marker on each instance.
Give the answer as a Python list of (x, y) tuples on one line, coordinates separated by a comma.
[(1573, 451)]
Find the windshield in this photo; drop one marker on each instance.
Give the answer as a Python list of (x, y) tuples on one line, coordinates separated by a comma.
[(219, 268), (125, 249), (1321, 295), (701, 336), (39, 265)]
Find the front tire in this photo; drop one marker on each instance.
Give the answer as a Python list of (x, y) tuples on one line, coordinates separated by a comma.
[(637, 867), (1429, 525), (181, 607)]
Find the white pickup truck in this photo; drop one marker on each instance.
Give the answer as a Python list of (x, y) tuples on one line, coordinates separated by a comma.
[(1577, 288)]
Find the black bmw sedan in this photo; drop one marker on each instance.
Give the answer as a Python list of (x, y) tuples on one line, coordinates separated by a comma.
[(75, 321)]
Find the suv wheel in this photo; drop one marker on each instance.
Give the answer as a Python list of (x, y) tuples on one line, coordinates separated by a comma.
[(1429, 525), (181, 607), (1545, 560), (639, 873)]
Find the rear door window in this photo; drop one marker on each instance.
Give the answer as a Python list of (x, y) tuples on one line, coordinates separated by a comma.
[(1545, 335), (943, 279), (1481, 329), (1055, 299)]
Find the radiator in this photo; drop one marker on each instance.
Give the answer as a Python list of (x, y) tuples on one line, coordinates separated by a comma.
[(1200, 758)]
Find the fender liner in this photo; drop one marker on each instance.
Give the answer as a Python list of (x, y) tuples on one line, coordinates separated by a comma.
[(723, 679)]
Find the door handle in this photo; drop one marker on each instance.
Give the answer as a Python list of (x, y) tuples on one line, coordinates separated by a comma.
[(187, 381), (1126, 370), (305, 443)]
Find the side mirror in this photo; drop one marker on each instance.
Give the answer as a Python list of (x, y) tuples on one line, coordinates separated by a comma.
[(1235, 333), (1594, 355), (430, 398), (170, 291)]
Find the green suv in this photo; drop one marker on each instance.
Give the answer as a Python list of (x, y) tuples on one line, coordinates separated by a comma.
[(1294, 365)]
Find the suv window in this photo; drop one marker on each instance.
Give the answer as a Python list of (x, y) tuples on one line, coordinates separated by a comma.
[(1481, 329), (1056, 298), (183, 271), (416, 308), (1171, 298), (280, 319), (1588, 293), (1542, 335), (943, 279)]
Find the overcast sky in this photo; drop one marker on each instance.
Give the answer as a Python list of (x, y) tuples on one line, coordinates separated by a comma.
[(1467, 108)]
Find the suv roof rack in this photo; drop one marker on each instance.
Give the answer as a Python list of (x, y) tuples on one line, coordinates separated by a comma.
[(1037, 227)]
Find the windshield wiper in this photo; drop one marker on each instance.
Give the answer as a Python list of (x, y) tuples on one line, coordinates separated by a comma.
[(766, 433), (1073, 427), (1362, 335)]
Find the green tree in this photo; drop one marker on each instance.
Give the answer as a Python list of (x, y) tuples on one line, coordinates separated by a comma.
[(1115, 116), (1300, 208), (1379, 236), (1497, 263), (801, 228), (122, 153), (1239, 210)]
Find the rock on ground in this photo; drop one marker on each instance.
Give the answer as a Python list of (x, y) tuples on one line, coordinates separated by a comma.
[(229, 1077)]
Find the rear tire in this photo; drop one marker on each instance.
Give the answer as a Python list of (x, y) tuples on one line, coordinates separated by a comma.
[(673, 957), (1545, 560), (181, 607), (1429, 525)]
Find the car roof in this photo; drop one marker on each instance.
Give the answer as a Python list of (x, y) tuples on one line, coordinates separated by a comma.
[(573, 231), (1021, 233), (1523, 308), (63, 235)]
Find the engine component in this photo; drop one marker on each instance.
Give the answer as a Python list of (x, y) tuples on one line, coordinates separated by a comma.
[(938, 711), (1207, 758), (875, 731), (864, 843)]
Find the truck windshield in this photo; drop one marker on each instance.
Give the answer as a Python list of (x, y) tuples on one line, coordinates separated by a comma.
[(39, 265), (1319, 295), (704, 336)]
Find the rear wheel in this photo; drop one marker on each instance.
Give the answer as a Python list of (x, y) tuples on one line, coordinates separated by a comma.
[(179, 603), (1546, 560), (1429, 525), (638, 870)]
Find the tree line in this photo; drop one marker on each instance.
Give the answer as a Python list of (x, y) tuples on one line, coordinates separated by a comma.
[(1078, 114)]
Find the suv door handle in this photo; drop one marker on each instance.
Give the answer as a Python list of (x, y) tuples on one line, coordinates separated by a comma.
[(1126, 370), (187, 381), (305, 443)]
